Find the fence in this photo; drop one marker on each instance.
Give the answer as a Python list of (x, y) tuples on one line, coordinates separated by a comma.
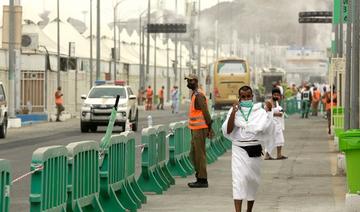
[(5, 177), (83, 177)]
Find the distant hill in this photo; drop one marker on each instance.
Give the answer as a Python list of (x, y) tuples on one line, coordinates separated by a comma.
[(276, 21)]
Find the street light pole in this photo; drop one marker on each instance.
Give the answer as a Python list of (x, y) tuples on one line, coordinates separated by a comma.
[(354, 123), (91, 47), (114, 51), (347, 116), (141, 52), (114, 28), (98, 35), (11, 48), (199, 43), (176, 47), (148, 42), (58, 44)]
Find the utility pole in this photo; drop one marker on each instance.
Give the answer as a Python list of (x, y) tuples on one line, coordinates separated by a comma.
[(58, 44), (199, 43), (155, 66), (91, 47), (354, 123), (148, 42), (12, 59), (341, 29), (348, 69), (114, 52), (167, 68), (140, 55), (217, 31), (176, 47), (98, 35)]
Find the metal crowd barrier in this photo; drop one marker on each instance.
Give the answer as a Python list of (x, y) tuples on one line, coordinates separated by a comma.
[(5, 181), (83, 177), (50, 179)]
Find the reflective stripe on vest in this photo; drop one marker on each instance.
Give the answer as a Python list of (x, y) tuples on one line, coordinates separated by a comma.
[(196, 117), (306, 95)]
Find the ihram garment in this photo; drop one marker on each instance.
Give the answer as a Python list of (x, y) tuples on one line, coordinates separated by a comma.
[(279, 123), (258, 129)]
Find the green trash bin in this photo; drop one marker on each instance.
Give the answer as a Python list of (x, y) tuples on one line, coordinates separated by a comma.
[(338, 110), (350, 144)]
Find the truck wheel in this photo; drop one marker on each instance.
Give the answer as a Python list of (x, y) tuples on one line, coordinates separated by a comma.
[(3, 128), (84, 127)]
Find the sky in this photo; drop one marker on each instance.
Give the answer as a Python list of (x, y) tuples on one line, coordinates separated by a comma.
[(127, 8)]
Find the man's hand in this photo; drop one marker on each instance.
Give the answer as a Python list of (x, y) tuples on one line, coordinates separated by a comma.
[(210, 134), (235, 107), (268, 106)]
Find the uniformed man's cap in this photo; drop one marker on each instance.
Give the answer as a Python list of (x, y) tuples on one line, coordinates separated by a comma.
[(191, 77)]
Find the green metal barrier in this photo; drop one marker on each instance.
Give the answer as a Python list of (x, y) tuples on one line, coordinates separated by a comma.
[(186, 141), (212, 150), (5, 181), (218, 147), (49, 183), (149, 180), (176, 165), (83, 178), (130, 181), (161, 152), (113, 195)]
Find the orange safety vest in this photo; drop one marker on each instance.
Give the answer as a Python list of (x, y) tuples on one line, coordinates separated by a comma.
[(58, 99), (196, 117), (329, 105), (149, 92), (316, 96), (161, 93)]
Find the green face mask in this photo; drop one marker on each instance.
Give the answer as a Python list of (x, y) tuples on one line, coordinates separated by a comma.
[(247, 104)]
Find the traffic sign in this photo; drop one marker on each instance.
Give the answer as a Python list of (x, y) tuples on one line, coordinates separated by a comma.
[(166, 28), (315, 14), (337, 11), (311, 20)]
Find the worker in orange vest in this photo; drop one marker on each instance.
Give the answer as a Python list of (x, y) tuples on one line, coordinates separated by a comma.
[(160, 106), (149, 96), (200, 125), (59, 103), (316, 96), (329, 105)]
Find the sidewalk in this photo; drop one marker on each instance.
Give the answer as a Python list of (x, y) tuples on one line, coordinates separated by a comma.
[(307, 181)]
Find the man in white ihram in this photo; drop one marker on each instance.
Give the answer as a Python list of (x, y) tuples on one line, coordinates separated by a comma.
[(248, 126)]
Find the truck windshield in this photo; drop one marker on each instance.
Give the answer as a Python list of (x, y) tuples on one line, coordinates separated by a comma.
[(107, 93)]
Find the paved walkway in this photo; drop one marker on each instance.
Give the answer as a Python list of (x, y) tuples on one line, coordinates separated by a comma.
[(307, 181)]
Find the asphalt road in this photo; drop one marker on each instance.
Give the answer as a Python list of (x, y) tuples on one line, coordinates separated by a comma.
[(21, 143)]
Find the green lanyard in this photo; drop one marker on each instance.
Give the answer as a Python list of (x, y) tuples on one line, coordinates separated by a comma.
[(246, 117)]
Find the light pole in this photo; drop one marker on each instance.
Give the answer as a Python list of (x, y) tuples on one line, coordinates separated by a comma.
[(141, 44), (91, 47), (199, 43), (148, 42), (58, 44), (98, 40), (12, 58), (115, 56)]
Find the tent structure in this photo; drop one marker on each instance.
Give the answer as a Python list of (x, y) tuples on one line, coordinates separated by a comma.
[(43, 39)]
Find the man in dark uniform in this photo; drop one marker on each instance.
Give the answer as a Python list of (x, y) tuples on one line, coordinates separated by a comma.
[(200, 125)]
